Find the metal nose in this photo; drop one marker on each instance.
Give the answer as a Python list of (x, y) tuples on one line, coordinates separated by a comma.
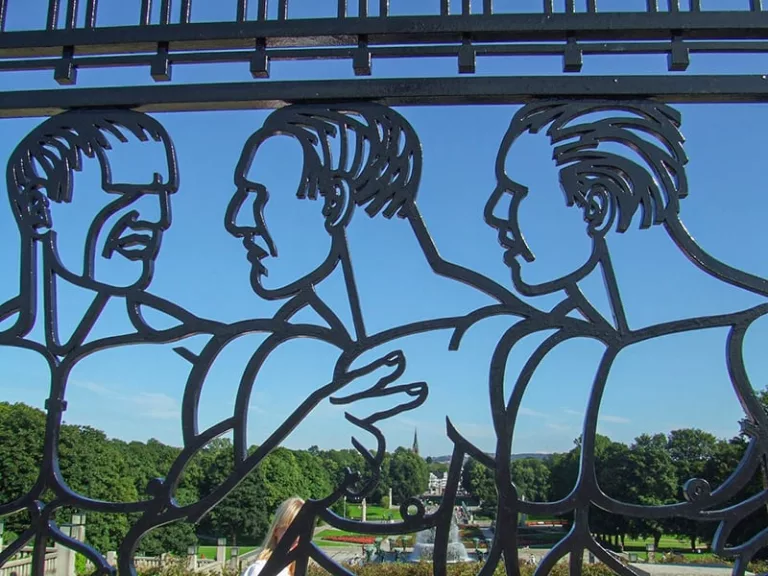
[(240, 218), (502, 205), (154, 209)]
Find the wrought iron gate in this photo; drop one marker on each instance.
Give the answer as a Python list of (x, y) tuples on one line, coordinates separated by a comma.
[(377, 169)]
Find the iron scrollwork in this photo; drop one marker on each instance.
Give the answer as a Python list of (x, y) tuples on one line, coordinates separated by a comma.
[(618, 162)]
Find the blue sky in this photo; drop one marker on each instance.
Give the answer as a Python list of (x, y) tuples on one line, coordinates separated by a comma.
[(655, 387)]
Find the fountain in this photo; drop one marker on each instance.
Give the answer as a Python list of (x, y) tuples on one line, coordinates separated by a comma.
[(424, 547)]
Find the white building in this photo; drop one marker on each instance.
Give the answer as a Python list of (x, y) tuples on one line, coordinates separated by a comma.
[(437, 484)]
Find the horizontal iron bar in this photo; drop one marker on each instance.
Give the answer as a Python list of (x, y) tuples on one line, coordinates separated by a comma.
[(395, 92), (391, 30), (388, 52)]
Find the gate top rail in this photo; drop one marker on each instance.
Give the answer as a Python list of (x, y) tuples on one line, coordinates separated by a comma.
[(70, 36), (388, 30)]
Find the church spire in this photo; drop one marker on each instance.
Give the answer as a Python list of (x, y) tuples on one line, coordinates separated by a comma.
[(415, 448)]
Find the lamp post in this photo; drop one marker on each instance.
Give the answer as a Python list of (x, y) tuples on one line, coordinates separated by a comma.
[(192, 557), (77, 530), (2, 531), (221, 550)]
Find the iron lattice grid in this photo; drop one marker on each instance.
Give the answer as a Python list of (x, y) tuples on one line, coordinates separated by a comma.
[(362, 32)]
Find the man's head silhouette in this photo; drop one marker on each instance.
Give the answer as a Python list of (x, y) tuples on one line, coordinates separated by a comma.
[(360, 155), (614, 160), (126, 216)]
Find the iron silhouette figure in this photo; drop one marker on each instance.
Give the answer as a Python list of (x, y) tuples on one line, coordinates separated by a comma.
[(618, 163), (376, 168), (367, 157), (129, 224)]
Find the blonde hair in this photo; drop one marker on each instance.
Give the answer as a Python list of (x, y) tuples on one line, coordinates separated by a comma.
[(284, 515)]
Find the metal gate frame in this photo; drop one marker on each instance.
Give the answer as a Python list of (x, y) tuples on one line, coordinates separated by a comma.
[(383, 182)]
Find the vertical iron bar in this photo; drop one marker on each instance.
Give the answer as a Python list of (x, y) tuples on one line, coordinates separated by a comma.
[(342, 10), (90, 13), (653, 6), (165, 11), (384, 8), (3, 9), (53, 15), (592, 6), (695, 5), (466, 7), (488, 7), (71, 14), (282, 10), (146, 8), (674, 5), (445, 7), (262, 11), (242, 10), (756, 5), (186, 11), (548, 7), (362, 11), (570, 6)]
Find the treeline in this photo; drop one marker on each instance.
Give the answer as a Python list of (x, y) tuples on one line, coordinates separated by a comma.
[(653, 470), (117, 471)]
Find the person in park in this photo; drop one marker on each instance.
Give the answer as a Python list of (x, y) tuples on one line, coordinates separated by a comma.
[(284, 516)]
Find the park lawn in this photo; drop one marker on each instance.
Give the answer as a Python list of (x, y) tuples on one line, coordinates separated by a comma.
[(703, 558), (355, 512), (210, 551), (329, 544), (671, 543), (531, 518), (666, 543)]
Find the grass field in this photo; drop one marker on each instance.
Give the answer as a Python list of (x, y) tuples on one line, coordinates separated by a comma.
[(327, 544), (355, 512), (666, 543), (210, 551)]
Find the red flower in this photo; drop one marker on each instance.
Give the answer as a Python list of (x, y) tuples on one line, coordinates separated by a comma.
[(352, 539)]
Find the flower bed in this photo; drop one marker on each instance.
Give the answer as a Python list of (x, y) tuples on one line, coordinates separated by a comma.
[(351, 539)]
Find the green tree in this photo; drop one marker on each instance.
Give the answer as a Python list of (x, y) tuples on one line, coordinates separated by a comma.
[(563, 472), (480, 482), (437, 468), (691, 451), (651, 481), (316, 481), (381, 490), (22, 430), (531, 477), (408, 475), (612, 464), (282, 477), (174, 538), (95, 467), (244, 514)]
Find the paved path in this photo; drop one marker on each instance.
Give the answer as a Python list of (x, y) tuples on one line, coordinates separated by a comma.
[(681, 570)]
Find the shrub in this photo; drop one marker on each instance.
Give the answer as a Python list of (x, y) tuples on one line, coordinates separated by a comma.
[(463, 569)]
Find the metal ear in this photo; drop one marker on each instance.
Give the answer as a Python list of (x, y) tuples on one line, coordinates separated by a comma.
[(34, 211), (338, 205)]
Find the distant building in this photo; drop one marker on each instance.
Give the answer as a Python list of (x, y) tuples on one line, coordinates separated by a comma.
[(437, 484)]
